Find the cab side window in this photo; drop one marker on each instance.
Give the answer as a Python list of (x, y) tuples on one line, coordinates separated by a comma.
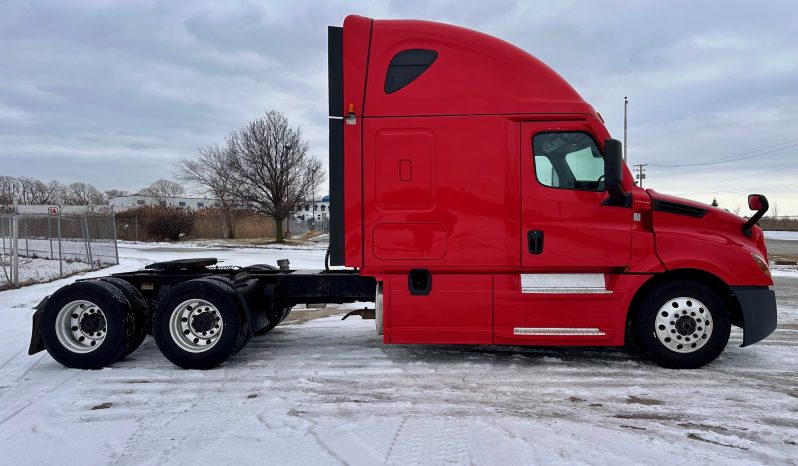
[(568, 161)]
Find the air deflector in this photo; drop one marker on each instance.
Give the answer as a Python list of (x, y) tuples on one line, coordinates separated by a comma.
[(335, 77)]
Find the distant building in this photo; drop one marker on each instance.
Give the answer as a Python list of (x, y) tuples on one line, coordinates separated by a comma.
[(317, 210), (122, 203)]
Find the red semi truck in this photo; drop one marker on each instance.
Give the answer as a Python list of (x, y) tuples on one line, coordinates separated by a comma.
[(477, 199)]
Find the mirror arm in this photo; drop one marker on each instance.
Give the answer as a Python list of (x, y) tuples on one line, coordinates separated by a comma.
[(749, 225)]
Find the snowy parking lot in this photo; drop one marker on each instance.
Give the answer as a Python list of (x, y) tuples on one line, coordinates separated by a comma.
[(328, 391)]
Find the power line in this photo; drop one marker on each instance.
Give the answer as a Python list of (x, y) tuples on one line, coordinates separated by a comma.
[(741, 190), (742, 156)]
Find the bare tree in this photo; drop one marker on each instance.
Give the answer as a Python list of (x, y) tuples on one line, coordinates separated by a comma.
[(775, 210), (272, 168), (27, 189), (112, 193), (38, 192), (50, 193), (83, 194), (209, 173), (163, 188), (9, 190)]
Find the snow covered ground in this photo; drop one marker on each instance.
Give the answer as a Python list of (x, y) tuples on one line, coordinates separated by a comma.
[(42, 270), (782, 235), (328, 391)]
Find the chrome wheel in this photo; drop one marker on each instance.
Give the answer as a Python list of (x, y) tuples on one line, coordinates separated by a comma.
[(196, 325), (80, 326), (683, 325)]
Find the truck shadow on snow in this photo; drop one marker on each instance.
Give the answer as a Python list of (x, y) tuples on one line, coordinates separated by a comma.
[(301, 345)]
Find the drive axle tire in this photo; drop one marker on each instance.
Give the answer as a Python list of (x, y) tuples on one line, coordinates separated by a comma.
[(275, 317), (140, 307), (682, 325), (87, 325), (199, 323)]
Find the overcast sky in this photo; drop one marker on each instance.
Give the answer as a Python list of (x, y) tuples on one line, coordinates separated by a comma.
[(114, 93)]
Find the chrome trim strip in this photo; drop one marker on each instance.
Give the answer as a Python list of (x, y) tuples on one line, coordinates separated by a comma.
[(544, 331), (563, 283), (566, 290)]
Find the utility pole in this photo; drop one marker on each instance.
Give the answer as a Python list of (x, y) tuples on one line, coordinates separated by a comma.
[(625, 105), (641, 173)]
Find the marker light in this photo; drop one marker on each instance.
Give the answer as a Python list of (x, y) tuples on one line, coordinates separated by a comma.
[(762, 264), (351, 119)]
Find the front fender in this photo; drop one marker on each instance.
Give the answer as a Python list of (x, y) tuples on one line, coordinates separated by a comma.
[(731, 262)]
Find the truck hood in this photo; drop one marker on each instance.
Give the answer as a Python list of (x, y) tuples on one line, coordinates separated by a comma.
[(702, 221)]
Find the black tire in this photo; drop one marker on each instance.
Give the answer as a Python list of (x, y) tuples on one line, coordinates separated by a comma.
[(224, 299), (119, 324), (141, 312), (245, 333), (277, 316), (684, 321), (285, 312)]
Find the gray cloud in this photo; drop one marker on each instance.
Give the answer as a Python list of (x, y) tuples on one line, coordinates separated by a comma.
[(114, 93)]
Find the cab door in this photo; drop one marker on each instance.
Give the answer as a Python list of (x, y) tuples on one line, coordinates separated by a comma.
[(568, 225), (573, 243)]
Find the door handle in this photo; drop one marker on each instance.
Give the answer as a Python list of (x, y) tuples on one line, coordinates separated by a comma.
[(535, 239)]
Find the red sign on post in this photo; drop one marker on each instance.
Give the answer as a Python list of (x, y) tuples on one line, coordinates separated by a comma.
[(53, 210)]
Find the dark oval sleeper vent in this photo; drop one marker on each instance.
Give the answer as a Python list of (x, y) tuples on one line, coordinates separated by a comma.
[(406, 66)]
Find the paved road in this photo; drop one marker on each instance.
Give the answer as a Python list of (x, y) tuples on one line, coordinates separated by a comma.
[(782, 247)]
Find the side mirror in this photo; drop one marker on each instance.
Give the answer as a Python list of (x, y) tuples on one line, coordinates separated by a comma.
[(613, 170), (756, 201), (760, 204)]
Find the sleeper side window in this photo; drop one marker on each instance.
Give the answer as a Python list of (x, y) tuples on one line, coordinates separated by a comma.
[(568, 161), (406, 66)]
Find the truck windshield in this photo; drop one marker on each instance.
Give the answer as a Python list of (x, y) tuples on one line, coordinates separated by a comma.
[(568, 161)]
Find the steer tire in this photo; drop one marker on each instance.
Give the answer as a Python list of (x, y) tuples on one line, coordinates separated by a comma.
[(184, 352), (143, 320), (117, 322), (682, 325)]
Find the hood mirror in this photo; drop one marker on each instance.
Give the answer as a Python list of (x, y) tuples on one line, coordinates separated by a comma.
[(759, 203), (755, 201)]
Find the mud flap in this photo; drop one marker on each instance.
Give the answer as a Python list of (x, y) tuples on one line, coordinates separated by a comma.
[(36, 342), (758, 306), (364, 313)]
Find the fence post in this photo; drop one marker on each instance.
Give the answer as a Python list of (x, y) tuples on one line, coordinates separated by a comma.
[(25, 232), (60, 253), (113, 223), (87, 237), (50, 236), (15, 249)]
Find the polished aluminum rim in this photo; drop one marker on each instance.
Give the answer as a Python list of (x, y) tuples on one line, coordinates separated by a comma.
[(683, 324), (196, 325), (80, 326)]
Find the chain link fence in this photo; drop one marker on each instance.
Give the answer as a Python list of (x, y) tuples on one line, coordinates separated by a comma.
[(37, 247), (299, 226)]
